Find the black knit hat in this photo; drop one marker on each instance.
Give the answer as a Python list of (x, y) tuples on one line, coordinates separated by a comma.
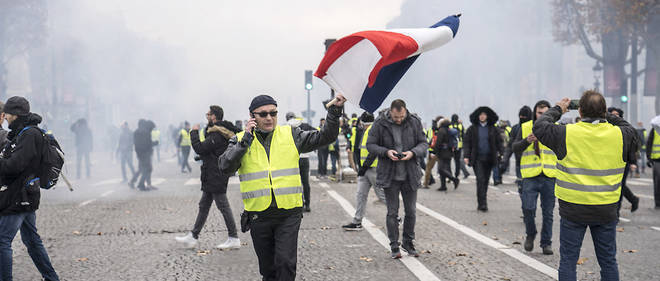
[(261, 100), (17, 106), (367, 117)]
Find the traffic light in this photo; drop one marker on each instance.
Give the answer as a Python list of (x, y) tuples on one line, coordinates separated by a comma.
[(624, 99), (308, 80)]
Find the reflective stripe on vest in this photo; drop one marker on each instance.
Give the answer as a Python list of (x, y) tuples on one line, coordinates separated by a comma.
[(363, 149), (459, 128), (429, 137), (353, 137), (592, 170), (185, 139), (655, 152), (264, 176), (532, 165)]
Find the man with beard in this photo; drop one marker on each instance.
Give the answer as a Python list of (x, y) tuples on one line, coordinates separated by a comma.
[(483, 147), (214, 182)]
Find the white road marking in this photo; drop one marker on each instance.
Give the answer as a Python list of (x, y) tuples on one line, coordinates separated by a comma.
[(104, 194), (86, 202), (656, 228), (624, 219), (157, 181), (171, 160), (533, 263), (413, 264), (645, 196), (636, 182), (193, 181), (106, 182), (645, 180)]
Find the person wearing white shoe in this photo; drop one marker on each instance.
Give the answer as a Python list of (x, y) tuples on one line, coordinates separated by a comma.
[(231, 243), (188, 240)]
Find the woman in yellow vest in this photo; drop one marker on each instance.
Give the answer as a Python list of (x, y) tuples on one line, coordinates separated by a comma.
[(537, 169), (591, 158), (266, 157)]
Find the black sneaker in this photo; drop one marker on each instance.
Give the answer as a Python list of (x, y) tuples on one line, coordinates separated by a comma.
[(352, 227), (444, 188), (529, 243), (635, 204), (547, 250), (410, 249), (456, 182), (466, 176), (396, 254), (306, 209)]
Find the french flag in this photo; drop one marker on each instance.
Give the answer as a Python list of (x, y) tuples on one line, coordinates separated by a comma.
[(365, 66)]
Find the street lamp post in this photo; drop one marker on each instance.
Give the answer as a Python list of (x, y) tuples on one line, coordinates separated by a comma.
[(597, 72)]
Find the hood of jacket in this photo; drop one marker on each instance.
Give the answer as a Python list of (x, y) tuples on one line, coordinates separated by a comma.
[(31, 119), (491, 119)]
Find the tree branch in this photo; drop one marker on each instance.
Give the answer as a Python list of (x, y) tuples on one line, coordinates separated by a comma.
[(582, 35)]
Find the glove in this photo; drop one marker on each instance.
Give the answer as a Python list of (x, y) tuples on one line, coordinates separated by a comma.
[(362, 171), (649, 164)]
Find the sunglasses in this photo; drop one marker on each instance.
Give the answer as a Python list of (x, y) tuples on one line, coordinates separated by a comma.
[(264, 114)]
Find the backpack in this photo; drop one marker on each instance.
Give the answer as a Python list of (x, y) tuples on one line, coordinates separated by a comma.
[(52, 159)]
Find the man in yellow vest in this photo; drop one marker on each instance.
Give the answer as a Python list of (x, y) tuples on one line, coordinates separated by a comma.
[(266, 156), (653, 157), (458, 158), (591, 158), (185, 144), (537, 168), (366, 174)]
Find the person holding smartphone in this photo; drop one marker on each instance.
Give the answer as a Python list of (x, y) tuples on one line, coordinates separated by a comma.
[(266, 156)]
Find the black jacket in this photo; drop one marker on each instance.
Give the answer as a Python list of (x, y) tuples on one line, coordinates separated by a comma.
[(209, 150), (19, 164), (84, 143), (554, 137), (471, 140), (381, 139), (442, 148), (142, 138)]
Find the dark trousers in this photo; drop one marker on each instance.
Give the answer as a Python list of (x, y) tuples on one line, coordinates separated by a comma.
[(603, 235), (27, 223), (80, 157), (276, 245), (459, 163), (185, 152), (533, 188), (222, 203), (482, 170), (497, 176), (144, 170), (625, 190), (303, 164), (656, 182), (444, 170), (126, 159), (392, 220), (334, 155), (323, 161)]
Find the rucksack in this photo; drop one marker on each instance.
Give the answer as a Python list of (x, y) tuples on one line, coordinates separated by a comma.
[(52, 160)]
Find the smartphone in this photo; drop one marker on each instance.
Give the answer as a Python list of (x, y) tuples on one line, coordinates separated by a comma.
[(399, 155), (575, 104)]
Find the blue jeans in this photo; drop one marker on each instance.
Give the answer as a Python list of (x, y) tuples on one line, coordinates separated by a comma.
[(531, 189), (571, 235), (496, 173), (26, 222)]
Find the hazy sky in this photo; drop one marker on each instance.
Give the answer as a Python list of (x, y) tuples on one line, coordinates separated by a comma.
[(238, 49)]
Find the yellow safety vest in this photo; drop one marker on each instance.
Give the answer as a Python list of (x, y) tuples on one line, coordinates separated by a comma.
[(155, 135), (185, 138), (532, 165), (429, 136), (202, 135), (592, 170), (363, 149), (459, 128), (262, 176), (353, 137), (655, 153)]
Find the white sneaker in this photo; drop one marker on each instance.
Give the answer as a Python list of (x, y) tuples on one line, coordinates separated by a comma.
[(231, 243), (187, 240)]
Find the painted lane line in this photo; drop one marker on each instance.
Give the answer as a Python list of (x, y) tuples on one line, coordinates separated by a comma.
[(193, 181), (645, 196), (106, 182), (644, 180), (158, 181), (86, 202), (531, 262), (656, 228), (624, 219), (413, 264), (107, 193)]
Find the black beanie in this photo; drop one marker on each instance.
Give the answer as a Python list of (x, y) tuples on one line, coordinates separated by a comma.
[(367, 117), (261, 100), (17, 106)]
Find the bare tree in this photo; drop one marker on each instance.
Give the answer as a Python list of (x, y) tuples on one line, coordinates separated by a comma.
[(22, 27)]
